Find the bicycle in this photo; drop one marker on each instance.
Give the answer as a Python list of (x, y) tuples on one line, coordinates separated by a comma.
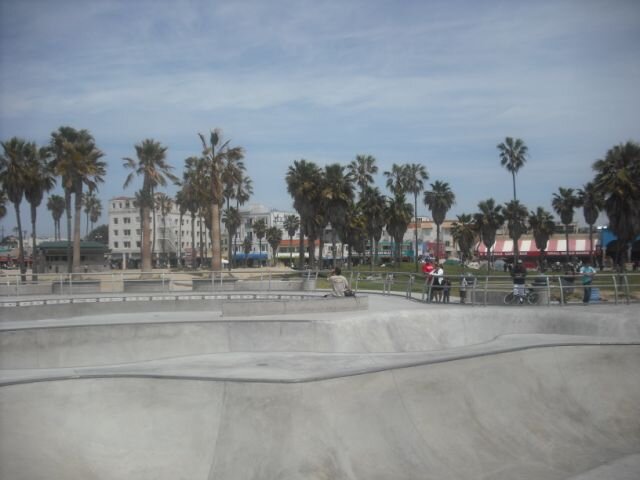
[(531, 297)]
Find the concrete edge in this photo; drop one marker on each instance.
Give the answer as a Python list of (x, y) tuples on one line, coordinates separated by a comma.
[(314, 378)]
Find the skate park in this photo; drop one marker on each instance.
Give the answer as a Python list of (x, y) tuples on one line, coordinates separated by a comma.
[(268, 384)]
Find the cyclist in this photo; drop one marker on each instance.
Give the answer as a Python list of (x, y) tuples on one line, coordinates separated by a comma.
[(519, 274)]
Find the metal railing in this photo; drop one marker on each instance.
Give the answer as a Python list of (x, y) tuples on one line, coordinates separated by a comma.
[(13, 286), (607, 287)]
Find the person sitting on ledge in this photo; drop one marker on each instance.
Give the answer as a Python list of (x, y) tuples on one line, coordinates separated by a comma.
[(338, 282)]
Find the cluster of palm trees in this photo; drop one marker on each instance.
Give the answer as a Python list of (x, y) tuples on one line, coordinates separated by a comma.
[(208, 185), (615, 189), (343, 196), (328, 196), (28, 172)]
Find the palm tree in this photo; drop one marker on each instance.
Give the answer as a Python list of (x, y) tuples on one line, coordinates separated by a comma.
[(516, 216), (303, 178), (232, 177), (65, 168), (259, 228), (372, 204), (398, 214), (77, 162), (164, 203), (415, 176), (617, 181), (464, 234), (244, 190), (232, 220), (152, 166), (247, 244), (215, 154), (291, 225), (361, 170), (13, 173), (39, 179), (542, 225), (488, 221), (592, 202), (563, 203), (56, 205), (274, 237), (439, 199), (337, 196), (396, 179), (91, 205), (95, 212), (90, 172), (3, 203), (513, 155)]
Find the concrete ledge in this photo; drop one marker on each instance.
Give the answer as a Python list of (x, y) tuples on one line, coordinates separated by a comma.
[(206, 285), (309, 305), (146, 286), (43, 288), (81, 286)]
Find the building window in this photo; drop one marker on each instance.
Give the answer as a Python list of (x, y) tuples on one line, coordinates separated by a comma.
[(127, 244), (138, 244), (138, 232), (115, 232), (126, 204), (115, 244), (115, 221), (114, 205), (127, 233), (126, 220)]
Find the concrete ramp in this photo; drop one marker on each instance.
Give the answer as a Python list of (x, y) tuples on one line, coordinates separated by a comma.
[(404, 391), (531, 414)]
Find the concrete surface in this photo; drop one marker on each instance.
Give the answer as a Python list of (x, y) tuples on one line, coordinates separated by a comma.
[(402, 391)]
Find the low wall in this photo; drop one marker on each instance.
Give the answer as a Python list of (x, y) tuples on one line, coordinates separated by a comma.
[(146, 286), (81, 286), (206, 285), (43, 288), (285, 306)]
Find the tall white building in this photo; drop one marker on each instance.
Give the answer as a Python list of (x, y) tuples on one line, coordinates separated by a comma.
[(171, 236)]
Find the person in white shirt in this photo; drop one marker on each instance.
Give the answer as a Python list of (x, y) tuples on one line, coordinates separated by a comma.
[(338, 282)]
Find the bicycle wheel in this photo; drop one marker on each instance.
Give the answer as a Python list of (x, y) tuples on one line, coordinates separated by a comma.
[(533, 298), (509, 299)]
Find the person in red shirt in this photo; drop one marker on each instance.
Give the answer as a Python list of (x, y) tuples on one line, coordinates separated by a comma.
[(427, 271)]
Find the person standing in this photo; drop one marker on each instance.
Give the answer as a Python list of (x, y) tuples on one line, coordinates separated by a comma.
[(438, 279), (587, 272), (519, 274), (463, 289), (427, 271)]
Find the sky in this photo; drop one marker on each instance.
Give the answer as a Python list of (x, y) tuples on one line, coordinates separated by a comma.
[(434, 82)]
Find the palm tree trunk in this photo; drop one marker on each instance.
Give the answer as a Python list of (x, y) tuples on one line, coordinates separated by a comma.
[(23, 267), (591, 259), (201, 239), (438, 242), (76, 228), (146, 241), (216, 258), (34, 252), (301, 249), (290, 251), (333, 246), (415, 216), (193, 241), (513, 174), (230, 256), (67, 199)]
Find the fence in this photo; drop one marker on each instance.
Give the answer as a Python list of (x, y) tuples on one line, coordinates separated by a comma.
[(492, 289), (157, 282), (480, 289)]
